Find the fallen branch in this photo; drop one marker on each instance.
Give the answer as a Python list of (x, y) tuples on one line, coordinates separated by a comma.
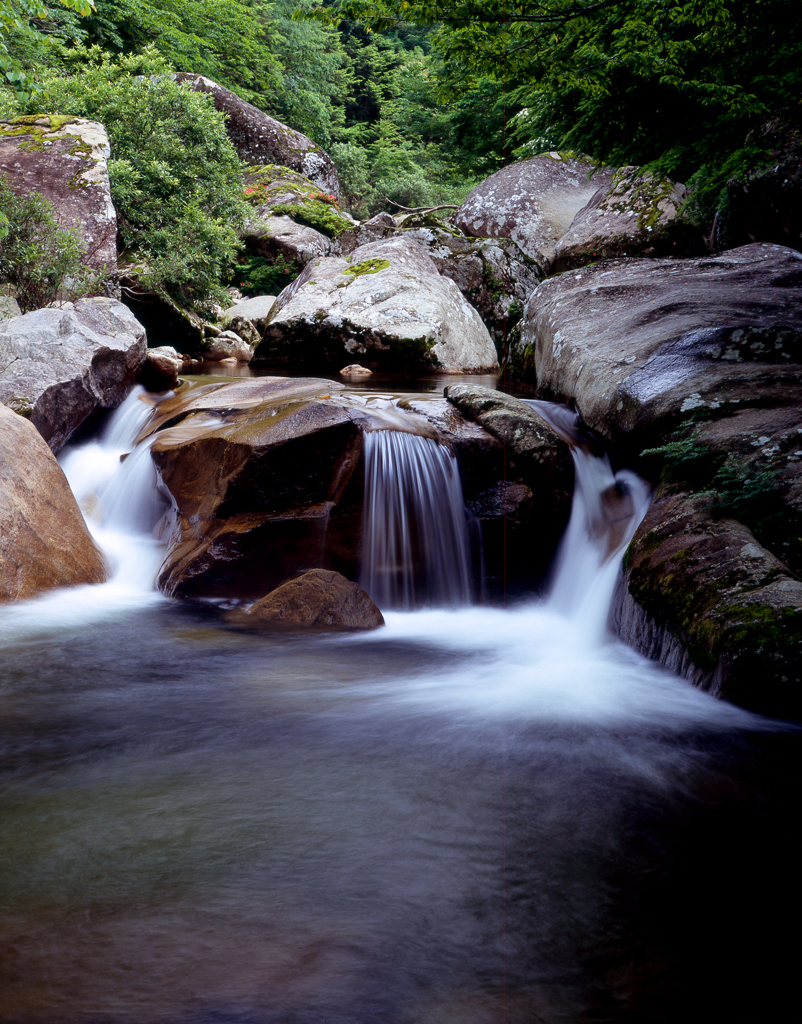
[(420, 209)]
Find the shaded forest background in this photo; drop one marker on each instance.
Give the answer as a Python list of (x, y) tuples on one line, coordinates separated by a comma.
[(416, 101)]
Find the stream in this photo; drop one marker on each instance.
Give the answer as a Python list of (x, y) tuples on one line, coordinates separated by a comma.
[(473, 815)]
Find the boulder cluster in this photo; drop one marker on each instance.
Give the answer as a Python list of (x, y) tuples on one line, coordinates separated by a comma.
[(586, 285)]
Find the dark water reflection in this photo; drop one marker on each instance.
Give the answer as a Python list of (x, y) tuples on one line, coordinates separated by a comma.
[(207, 826)]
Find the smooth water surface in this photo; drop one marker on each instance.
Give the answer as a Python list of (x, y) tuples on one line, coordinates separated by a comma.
[(470, 816)]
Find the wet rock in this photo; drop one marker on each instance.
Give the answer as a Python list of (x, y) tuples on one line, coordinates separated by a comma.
[(264, 484), (319, 599), (257, 310), (260, 139), (266, 480), (44, 542), (698, 362), (386, 304), (526, 509), (635, 215), (533, 202), (702, 596), (65, 159), (61, 365)]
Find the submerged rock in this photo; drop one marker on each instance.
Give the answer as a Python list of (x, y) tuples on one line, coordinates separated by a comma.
[(44, 542), (386, 304), (319, 599), (60, 365), (532, 202)]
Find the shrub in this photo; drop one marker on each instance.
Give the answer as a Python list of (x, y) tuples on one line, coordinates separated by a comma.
[(175, 177), (260, 276), (39, 258)]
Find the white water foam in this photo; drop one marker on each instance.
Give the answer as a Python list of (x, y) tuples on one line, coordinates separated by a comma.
[(121, 505)]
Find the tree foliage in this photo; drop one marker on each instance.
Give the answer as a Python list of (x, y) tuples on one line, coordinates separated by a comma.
[(175, 178), (673, 84)]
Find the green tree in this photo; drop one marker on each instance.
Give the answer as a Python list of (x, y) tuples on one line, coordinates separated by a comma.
[(27, 29), (222, 39), (673, 84), (175, 178)]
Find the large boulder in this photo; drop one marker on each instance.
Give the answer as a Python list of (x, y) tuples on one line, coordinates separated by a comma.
[(697, 361), (319, 599), (260, 139), (494, 275), (261, 476), (637, 214), (266, 479), (66, 159), (58, 366), (640, 345), (271, 237), (385, 305), (766, 204), (44, 542), (533, 202)]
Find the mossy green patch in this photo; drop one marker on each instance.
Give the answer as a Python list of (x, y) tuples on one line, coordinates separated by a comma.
[(367, 267), (317, 214)]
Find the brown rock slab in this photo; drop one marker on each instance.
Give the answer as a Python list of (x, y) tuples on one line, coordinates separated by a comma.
[(44, 542), (319, 599)]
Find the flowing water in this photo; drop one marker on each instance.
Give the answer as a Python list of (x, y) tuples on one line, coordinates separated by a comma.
[(472, 816)]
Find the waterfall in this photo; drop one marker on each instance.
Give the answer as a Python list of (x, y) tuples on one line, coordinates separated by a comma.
[(415, 540), (114, 482), (606, 510)]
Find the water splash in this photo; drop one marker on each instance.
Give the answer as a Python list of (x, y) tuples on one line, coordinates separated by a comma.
[(415, 542), (606, 511)]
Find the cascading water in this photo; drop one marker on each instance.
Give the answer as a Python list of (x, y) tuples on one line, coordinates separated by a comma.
[(415, 544), (606, 510), (114, 482), (474, 813)]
